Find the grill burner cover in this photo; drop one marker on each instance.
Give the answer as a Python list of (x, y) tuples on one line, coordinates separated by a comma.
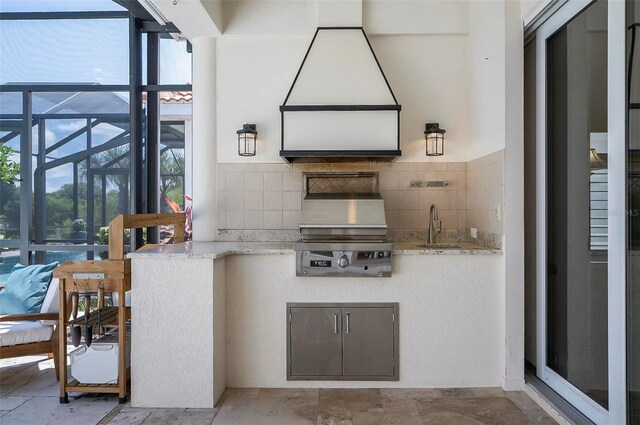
[(343, 235)]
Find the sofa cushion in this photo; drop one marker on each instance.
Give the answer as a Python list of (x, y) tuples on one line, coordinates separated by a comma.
[(26, 288), (14, 333)]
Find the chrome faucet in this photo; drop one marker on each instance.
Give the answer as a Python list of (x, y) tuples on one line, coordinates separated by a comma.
[(432, 231)]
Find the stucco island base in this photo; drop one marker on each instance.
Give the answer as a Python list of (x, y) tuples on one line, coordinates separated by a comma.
[(202, 324)]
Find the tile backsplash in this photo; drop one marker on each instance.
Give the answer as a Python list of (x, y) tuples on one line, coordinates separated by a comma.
[(269, 196), (485, 193)]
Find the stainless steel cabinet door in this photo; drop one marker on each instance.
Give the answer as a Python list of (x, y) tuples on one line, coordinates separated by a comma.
[(316, 341), (368, 339)]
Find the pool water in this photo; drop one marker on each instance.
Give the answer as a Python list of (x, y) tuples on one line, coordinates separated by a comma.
[(8, 260)]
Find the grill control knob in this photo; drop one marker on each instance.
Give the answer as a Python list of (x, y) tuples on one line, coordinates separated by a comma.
[(343, 261)]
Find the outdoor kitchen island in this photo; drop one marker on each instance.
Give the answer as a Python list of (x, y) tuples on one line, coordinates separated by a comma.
[(212, 315)]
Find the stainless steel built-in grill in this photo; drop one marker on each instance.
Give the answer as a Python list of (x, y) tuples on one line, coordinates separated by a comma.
[(343, 235)]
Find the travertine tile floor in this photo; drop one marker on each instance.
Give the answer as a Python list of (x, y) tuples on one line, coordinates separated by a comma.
[(29, 395)]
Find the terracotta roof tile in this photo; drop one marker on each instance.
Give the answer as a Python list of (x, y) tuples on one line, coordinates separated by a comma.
[(175, 96), (172, 97)]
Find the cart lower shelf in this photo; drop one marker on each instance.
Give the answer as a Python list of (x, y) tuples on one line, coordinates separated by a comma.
[(76, 387)]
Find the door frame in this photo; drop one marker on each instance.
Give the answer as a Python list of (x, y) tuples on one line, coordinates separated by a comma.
[(616, 69), (617, 231)]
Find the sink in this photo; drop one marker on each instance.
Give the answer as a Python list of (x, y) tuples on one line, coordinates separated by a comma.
[(440, 246)]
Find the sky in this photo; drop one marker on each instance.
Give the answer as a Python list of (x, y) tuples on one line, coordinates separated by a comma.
[(75, 51), (57, 5), (79, 51)]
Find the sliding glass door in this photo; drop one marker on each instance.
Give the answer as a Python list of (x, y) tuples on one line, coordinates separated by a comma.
[(633, 200), (580, 318)]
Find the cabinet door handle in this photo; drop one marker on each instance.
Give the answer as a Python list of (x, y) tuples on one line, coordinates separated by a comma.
[(335, 323), (348, 329)]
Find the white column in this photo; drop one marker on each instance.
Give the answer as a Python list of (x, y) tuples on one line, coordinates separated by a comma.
[(513, 379), (204, 157)]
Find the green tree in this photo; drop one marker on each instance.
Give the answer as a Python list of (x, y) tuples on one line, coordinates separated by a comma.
[(60, 205), (9, 169), (171, 177), (9, 210), (120, 181), (60, 202), (117, 157)]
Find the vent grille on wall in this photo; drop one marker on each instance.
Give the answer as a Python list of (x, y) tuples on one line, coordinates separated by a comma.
[(340, 104)]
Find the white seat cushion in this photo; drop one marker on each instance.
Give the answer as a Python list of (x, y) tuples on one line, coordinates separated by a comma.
[(14, 333), (51, 303)]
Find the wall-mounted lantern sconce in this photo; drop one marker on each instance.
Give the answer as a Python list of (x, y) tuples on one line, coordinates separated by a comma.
[(247, 140), (434, 136)]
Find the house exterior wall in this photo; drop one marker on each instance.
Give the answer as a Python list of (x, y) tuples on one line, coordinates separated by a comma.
[(158, 365), (486, 75), (454, 71), (485, 192), (450, 318), (428, 75)]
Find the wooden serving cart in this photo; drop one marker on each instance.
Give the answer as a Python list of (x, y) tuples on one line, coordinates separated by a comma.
[(107, 276)]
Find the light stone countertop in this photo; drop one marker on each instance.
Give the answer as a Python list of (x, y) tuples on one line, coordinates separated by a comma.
[(213, 250), (442, 248)]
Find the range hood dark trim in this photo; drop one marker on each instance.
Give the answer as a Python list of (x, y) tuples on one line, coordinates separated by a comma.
[(335, 156), (325, 156), (293, 108)]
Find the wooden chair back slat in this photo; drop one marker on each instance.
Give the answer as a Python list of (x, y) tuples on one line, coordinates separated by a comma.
[(121, 222)]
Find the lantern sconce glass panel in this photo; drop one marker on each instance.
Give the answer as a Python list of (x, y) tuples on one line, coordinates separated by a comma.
[(247, 140), (434, 136)]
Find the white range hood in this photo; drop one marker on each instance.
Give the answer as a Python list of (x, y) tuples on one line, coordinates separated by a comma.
[(340, 104)]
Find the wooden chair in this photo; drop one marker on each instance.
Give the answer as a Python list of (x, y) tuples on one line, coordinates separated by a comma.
[(35, 333)]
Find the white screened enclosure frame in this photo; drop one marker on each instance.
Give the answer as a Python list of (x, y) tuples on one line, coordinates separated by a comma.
[(340, 103), (616, 42)]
